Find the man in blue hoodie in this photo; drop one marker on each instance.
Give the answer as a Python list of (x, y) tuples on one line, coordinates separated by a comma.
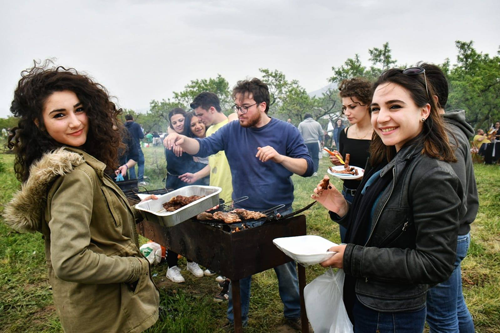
[(137, 135), (263, 153), (446, 308)]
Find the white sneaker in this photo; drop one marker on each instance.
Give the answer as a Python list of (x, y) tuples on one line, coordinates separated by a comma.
[(315, 174), (174, 274), (194, 269), (220, 279), (208, 272)]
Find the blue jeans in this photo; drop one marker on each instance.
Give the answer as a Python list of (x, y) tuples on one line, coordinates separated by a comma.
[(140, 166), (446, 308), (288, 285), (349, 198), (368, 320), (313, 149)]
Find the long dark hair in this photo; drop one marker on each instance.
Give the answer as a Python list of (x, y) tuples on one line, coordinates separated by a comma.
[(30, 141), (433, 135), (187, 121)]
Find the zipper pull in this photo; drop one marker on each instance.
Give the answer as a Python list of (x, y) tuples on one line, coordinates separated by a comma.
[(405, 226), (366, 279)]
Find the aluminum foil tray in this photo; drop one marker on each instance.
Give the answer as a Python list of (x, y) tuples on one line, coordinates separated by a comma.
[(153, 209)]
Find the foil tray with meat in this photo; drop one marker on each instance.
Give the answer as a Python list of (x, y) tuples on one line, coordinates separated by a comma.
[(154, 211)]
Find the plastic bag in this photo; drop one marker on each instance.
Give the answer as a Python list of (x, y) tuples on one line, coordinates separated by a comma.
[(324, 304), (152, 252)]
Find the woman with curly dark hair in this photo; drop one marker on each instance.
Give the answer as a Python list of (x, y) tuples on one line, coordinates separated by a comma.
[(66, 144), (355, 139)]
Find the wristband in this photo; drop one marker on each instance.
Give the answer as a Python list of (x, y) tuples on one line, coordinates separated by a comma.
[(126, 165)]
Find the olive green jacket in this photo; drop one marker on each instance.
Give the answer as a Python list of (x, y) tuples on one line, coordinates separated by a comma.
[(100, 280)]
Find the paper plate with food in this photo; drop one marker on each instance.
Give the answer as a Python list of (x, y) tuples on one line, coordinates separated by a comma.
[(351, 172)]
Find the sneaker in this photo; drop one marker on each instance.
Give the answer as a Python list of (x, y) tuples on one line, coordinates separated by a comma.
[(224, 293), (294, 323), (220, 279), (221, 297), (143, 183), (208, 272), (315, 174), (174, 274), (194, 269)]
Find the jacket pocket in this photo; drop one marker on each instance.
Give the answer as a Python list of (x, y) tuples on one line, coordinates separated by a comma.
[(111, 202), (402, 230)]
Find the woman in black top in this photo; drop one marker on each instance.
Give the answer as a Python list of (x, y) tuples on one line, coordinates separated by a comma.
[(355, 140)]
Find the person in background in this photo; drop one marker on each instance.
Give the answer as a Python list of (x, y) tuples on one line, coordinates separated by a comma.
[(404, 221), (128, 155), (312, 132), (156, 139), (446, 308), (137, 134), (339, 127), (263, 154), (149, 137), (492, 150), (66, 146), (356, 95), (207, 107), (480, 142), (176, 167)]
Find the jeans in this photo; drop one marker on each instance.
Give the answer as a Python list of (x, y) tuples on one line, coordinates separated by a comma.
[(368, 320), (446, 308), (140, 166), (313, 149), (288, 284), (349, 198)]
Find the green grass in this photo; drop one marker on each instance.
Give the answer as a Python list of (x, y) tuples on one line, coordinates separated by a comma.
[(25, 293)]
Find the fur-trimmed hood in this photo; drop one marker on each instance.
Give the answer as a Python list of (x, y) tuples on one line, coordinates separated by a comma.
[(24, 211)]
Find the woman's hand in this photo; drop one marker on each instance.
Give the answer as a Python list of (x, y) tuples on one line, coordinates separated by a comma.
[(334, 158), (337, 261), (330, 197)]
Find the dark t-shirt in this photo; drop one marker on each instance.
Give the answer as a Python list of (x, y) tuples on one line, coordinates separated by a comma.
[(360, 152)]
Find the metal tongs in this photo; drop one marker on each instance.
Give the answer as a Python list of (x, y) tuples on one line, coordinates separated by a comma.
[(228, 206)]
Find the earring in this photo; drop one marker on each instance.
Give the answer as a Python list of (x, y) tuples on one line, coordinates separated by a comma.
[(422, 120)]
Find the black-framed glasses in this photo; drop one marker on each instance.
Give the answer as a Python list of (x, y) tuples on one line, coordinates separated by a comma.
[(243, 109), (417, 71)]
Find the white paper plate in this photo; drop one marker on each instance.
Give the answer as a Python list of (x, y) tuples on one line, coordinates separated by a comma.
[(361, 172), (307, 250)]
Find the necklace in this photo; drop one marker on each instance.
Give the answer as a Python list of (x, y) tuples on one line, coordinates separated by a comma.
[(363, 136)]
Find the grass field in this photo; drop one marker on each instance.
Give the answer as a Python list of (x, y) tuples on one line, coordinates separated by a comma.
[(26, 299)]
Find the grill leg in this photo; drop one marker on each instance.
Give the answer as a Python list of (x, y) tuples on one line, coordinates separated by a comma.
[(236, 306), (302, 284)]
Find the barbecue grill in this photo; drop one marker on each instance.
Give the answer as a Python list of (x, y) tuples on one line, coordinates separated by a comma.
[(235, 250)]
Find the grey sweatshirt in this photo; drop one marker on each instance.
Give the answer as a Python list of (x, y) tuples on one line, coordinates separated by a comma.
[(459, 133)]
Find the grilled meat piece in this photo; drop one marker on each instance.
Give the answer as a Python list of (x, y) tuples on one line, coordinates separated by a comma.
[(248, 214), (349, 171), (346, 162), (205, 216), (324, 183), (179, 201), (226, 217)]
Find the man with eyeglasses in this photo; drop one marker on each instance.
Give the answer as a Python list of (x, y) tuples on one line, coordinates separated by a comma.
[(446, 308), (263, 154)]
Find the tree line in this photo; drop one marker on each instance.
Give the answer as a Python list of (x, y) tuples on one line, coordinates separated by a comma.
[(474, 86)]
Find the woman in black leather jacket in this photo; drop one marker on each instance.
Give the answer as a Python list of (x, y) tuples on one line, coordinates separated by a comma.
[(403, 224)]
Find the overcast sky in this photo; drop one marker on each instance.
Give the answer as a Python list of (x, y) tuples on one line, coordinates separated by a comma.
[(142, 50)]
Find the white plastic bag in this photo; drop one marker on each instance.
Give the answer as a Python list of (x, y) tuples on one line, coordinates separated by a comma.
[(324, 304), (152, 252)]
